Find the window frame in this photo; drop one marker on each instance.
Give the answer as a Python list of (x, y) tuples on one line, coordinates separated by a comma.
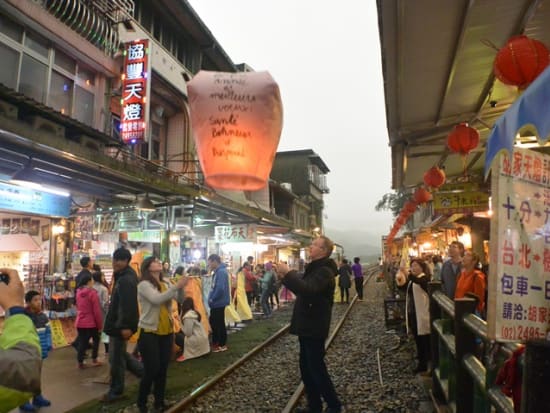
[(49, 62)]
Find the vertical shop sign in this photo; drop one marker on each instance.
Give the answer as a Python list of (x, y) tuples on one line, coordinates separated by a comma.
[(519, 278), (135, 92), (58, 336)]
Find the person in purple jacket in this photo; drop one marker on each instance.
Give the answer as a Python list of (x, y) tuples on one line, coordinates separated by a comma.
[(358, 274), (89, 320)]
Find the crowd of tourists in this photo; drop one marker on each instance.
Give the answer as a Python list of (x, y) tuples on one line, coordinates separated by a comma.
[(461, 274), (159, 311), (165, 315)]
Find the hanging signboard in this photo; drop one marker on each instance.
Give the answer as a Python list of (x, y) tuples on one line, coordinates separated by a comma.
[(145, 236), (136, 81), (235, 233), (104, 223), (21, 199), (460, 202), (519, 278)]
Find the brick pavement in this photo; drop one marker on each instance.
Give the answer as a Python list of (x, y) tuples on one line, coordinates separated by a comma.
[(67, 386)]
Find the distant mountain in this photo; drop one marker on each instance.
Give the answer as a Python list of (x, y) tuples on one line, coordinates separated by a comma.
[(356, 244)]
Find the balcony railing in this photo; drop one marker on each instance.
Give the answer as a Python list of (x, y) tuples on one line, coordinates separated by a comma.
[(95, 20)]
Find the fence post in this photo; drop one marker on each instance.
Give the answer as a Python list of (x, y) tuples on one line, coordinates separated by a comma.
[(435, 314), (465, 344), (536, 376)]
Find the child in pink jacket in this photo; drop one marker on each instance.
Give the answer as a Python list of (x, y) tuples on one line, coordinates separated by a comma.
[(89, 320)]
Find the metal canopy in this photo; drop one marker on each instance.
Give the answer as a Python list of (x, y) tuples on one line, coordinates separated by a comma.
[(437, 60)]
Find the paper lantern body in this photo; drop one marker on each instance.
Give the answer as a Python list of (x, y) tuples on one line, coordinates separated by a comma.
[(410, 206), (463, 139), (421, 196), (236, 119), (520, 61), (434, 177)]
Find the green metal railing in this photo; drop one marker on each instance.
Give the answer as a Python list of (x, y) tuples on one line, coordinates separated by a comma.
[(460, 378)]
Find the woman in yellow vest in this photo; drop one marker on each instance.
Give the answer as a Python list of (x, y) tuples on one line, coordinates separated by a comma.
[(156, 329)]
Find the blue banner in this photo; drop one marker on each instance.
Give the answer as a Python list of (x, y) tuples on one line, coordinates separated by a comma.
[(529, 110), (21, 199)]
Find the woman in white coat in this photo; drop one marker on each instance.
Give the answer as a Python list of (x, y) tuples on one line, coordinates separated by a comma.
[(156, 329), (196, 340), (418, 310)]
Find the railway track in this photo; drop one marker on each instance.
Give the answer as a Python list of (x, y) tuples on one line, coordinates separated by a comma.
[(264, 378)]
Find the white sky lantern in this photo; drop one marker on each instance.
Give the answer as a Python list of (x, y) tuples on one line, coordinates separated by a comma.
[(236, 120)]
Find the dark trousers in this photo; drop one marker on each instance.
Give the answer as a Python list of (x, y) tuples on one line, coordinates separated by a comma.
[(179, 339), (120, 360), (317, 382), (274, 294), (250, 297), (359, 287), (217, 322), (422, 350), (155, 352), (344, 292), (84, 335)]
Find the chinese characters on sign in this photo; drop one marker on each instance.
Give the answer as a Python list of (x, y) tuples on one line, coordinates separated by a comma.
[(519, 280), (460, 199), (133, 121), (235, 233)]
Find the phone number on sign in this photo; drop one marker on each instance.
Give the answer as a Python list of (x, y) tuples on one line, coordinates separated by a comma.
[(521, 332)]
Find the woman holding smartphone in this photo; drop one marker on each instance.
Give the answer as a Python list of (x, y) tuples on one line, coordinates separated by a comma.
[(155, 297)]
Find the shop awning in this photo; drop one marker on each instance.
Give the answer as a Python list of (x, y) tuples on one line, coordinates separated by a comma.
[(528, 113), (17, 243)]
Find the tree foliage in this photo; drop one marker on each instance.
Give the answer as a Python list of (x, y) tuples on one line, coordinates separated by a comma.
[(393, 202)]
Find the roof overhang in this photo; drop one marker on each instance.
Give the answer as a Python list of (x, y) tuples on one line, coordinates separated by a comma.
[(437, 64)]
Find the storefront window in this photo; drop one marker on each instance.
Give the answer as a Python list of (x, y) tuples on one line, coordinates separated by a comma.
[(8, 68), (84, 106), (61, 92), (33, 79)]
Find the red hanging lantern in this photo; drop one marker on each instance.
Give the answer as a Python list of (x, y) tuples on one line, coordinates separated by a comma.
[(434, 177), (421, 196), (410, 206), (463, 139), (520, 61)]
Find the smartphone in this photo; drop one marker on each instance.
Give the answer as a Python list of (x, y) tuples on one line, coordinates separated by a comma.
[(5, 278)]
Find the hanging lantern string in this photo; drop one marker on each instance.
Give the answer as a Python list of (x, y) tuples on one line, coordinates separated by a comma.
[(489, 44)]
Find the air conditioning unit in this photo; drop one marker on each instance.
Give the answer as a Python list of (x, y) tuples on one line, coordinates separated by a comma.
[(287, 186)]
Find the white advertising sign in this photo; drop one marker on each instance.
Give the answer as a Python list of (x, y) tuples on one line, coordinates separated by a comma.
[(519, 277)]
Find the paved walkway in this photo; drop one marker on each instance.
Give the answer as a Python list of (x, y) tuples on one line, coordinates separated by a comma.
[(67, 386)]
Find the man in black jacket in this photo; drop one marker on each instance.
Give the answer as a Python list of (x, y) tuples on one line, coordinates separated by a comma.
[(121, 323), (310, 321)]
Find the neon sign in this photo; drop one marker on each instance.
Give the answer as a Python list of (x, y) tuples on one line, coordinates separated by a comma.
[(133, 120)]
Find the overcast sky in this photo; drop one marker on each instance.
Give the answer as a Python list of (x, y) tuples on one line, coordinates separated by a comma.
[(325, 56)]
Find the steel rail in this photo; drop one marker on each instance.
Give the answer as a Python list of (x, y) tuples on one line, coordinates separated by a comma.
[(204, 388)]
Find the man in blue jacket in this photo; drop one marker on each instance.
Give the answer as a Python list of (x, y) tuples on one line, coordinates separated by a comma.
[(218, 299)]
